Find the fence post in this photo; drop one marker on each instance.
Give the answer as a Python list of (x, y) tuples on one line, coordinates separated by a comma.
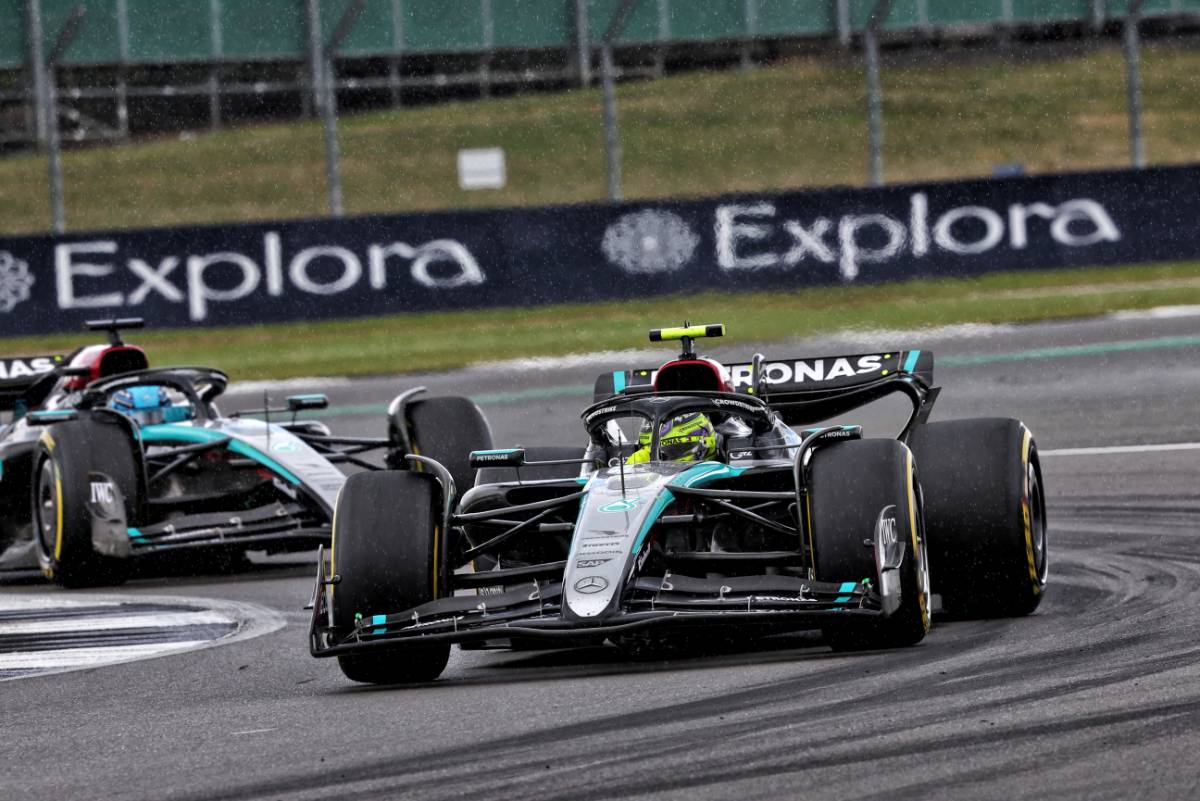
[(1133, 80), (874, 100), (612, 140), (583, 43), (843, 22), (326, 84), (217, 44), (37, 64), (58, 217)]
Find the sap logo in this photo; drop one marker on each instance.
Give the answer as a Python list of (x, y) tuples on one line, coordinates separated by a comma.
[(586, 563), (21, 368), (102, 492), (815, 370)]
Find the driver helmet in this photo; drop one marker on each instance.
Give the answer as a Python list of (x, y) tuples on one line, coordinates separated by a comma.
[(148, 405), (687, 438)]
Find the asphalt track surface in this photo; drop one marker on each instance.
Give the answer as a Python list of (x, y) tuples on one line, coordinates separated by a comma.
[(1096, 696)]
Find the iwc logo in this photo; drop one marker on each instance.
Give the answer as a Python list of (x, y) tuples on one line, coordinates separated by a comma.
[(649, 242), (15, 281)]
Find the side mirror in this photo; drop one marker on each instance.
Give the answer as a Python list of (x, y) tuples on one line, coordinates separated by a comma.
[(508, 457), (47, 418), (303, 403)]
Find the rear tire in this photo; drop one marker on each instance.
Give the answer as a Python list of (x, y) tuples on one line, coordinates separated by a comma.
[(851, 484), (385, 550), (62, 526), (986, 514), (447, 430)]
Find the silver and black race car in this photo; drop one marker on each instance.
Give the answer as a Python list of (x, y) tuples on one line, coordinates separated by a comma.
[(781, 524), (104, 460)]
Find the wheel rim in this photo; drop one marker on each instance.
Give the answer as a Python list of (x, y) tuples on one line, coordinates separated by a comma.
[(923, 560), (1037, 521), (46, 509)]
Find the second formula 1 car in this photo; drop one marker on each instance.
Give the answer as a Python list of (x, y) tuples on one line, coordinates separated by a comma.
[(104, 460), (708, 499)]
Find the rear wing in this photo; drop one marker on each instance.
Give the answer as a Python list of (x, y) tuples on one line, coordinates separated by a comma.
[(805, 391), (19, 374)]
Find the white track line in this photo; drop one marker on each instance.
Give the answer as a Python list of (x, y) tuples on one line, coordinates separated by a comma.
[(68, 658), (145, 620), (1117, 449)]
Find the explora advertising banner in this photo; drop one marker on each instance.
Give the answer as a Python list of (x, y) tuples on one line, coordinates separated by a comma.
[(314, 269)]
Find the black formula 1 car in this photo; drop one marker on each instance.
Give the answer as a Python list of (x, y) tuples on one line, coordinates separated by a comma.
[(104, 460), (782, 526)]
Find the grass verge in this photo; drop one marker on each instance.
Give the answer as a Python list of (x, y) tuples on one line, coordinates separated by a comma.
[(794, 124), (446, 340)]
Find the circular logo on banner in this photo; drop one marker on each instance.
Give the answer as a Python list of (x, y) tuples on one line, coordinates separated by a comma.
[(650, 241), (15, 281), (590, 585)]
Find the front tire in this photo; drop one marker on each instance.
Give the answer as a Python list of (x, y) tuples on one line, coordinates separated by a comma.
[(986, 513), (385, 551), (447, 430), (851, 483), (62, 526)]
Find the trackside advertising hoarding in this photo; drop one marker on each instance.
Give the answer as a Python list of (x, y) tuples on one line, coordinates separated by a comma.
[(314, 269)]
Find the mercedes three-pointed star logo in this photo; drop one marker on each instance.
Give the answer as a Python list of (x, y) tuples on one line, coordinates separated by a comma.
[(590, 585)]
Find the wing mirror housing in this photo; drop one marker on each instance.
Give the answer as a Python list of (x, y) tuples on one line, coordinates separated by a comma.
[(506, 457), (304, 403)]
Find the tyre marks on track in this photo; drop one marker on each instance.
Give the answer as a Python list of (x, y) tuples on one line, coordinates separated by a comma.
[(40, 634)]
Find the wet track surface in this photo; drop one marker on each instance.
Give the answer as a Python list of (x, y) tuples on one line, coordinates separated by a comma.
[(1095, 696)]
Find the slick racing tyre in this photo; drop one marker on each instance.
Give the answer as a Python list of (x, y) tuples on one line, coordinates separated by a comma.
[(986, 514), (851, 484), (68, 462), (385, 551), (447, 430)]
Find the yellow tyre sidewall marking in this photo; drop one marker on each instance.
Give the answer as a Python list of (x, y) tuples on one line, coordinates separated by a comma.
[(912, 527), (47, 440), (1026, 516), (333, 544), (58, 509)]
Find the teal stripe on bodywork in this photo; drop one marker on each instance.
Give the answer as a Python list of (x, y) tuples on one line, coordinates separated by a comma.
[(618, 381), (910, 363), (133, 533), (847, 586), (660, 503), (378, 620), (166, 432), (700, 474), (1, 469)]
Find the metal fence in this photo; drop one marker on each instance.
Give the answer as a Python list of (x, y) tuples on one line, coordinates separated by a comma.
[(156, 32), (319, 39)]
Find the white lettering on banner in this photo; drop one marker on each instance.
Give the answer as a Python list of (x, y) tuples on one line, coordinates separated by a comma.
[(808, 241), (730, 231), (440, 264), (744, 233), (445, 250), (943, 232), (66, 270), (853, 253), (199, 293), (19, 368), (154, 279), (351, 270)]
